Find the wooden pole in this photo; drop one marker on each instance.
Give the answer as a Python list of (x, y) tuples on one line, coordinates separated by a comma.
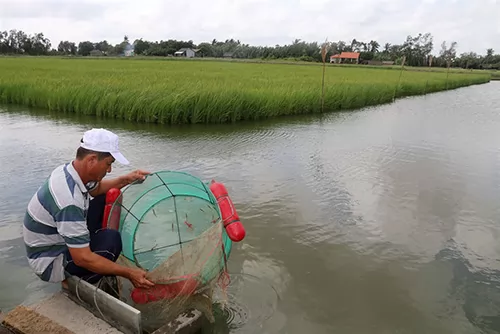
[(399, 80), (324, 50)]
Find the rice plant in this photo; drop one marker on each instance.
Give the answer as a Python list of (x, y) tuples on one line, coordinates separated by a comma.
[(206, 92)]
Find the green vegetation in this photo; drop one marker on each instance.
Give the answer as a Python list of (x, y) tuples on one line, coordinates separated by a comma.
[(206, 91), (416, 50)]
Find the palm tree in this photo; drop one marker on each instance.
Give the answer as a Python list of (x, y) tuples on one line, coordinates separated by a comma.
[(374, 46), (387, 47)]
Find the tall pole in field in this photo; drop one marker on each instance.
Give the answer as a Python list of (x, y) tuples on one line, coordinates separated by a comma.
[(448, 61), (399, 80), (324, 51)]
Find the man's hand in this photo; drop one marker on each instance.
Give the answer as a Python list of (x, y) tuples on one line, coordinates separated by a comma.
[(135, 175), (119, 182), (138, 278), (85, 258)]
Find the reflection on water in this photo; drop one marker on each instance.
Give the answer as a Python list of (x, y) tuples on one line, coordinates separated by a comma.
[(478, 290), (375, 221)]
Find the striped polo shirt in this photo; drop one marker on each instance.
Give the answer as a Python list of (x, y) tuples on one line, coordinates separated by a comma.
[(55, 220)]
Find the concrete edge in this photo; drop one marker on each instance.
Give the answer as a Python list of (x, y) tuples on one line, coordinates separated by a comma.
[(115, 312), (22, 320), (3, 329)]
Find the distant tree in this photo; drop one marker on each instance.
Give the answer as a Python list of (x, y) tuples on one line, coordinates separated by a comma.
[(206, 50), (448, 54), (374, 45), (102, 46), (468, 60), (84, 48), (67, 48), (140, 47)]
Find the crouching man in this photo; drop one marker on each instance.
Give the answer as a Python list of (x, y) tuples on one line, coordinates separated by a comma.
[(62, 226)]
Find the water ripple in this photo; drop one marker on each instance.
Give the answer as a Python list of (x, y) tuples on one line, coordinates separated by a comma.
[(245, 305)]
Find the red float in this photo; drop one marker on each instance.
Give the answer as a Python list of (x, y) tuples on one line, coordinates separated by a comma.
[(164, 291), (111, 196), (230, 218)]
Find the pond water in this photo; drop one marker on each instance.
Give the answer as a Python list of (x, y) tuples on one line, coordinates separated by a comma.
[(382, 220)]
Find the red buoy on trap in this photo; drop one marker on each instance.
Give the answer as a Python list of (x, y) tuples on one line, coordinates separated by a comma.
[(234, 228), (111, 197)]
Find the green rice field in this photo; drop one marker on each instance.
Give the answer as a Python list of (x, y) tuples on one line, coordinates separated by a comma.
[(207, 91)]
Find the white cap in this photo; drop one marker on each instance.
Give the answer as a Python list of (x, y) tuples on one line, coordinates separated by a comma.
[(101, 140)]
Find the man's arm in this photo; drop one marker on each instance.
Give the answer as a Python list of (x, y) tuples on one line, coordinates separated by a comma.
[(105, 185), (72, 226), (85, 258), (119, 182)]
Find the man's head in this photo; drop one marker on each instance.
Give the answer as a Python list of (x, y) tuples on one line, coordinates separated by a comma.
[(98, 150)]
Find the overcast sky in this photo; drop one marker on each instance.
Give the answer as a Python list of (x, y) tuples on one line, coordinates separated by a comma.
[(474, 24)]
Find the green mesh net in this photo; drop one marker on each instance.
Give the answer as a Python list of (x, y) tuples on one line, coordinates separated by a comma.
[(171, 226)]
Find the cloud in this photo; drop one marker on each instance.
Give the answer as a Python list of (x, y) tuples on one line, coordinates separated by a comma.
[(49, 9), (473, 24)]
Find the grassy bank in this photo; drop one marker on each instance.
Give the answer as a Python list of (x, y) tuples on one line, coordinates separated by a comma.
[(198, 91)]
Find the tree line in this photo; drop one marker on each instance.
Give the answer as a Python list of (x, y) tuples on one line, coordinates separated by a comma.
[(414, 51)]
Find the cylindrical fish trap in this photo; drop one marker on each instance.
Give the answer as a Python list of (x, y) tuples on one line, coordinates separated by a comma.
[(170, 226)]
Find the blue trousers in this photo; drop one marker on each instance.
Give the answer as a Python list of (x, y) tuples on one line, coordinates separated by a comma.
[(106, 243)]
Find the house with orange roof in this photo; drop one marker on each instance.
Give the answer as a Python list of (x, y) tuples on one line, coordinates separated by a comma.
[(345, 58)]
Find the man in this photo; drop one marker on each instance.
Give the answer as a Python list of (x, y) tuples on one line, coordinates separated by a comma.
[(62, 227)]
